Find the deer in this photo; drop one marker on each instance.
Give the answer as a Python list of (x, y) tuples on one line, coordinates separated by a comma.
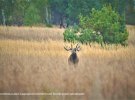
[(73, 58)]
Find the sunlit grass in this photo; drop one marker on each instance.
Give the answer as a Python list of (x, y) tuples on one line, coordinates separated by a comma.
[(30, 33), (34, 60), (56, 48)]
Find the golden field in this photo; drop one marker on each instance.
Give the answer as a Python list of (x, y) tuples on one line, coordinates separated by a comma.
[(33, 60)]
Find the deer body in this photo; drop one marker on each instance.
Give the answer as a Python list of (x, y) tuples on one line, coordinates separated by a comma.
[(73, 58)]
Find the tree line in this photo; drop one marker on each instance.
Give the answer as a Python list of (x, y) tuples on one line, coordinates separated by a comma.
[(58, 12)]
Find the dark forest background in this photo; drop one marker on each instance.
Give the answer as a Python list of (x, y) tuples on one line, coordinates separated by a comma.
[(54, 12)]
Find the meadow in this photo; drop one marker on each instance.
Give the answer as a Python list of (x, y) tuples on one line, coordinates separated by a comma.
[(33, 60)]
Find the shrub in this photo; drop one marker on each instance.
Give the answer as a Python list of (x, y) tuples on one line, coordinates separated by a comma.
[(70, 35), (100, 26), (89, 35), (108, 22)]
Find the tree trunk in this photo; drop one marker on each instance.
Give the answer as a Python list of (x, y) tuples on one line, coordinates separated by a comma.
[(47, 15), (3, 17), (50, 17)]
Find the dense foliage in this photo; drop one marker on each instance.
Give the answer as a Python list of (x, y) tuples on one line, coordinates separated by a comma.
[(32, 16), (102, 26), (19, 12)]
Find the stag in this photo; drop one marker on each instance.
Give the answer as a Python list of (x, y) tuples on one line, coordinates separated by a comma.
[(73, 58)]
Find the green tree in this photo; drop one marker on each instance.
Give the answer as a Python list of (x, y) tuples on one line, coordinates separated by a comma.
[(109, 23), (130, 12), (32, 16), (6, 9), (43, 7), (77, 7)]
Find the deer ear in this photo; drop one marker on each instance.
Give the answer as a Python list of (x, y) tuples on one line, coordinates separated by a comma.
[(78, 49)]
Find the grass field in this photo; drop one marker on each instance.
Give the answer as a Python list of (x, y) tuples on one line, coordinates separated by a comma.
[(33, 60)]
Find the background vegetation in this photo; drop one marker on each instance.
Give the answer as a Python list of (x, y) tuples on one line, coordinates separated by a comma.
[(31, 12)]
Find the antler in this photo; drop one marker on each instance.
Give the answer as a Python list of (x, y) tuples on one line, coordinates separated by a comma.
[(78, 47), (68, 48)]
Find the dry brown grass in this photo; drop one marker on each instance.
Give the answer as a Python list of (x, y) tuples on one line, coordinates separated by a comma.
[(37, 62), (30, 33)]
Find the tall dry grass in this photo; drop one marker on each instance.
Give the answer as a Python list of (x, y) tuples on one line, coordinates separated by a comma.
[(30, 33), (38, 63)]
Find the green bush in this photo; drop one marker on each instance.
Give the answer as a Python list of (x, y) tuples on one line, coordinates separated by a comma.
[(89, 35), (86, 36), (100, 26), (108, 22), (70, 35)]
